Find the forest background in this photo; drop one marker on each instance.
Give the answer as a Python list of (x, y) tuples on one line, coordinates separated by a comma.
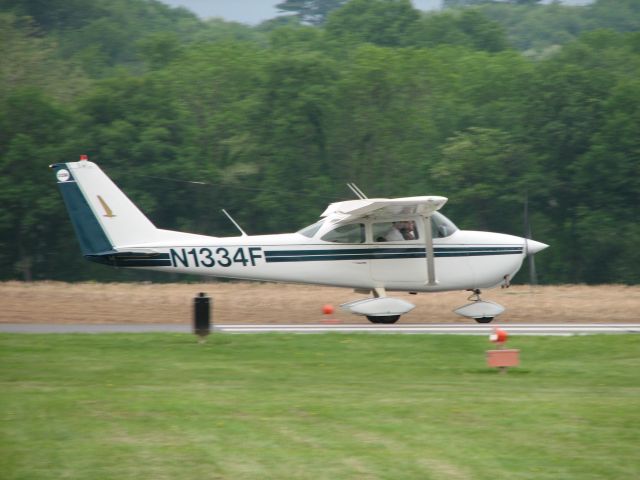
[(487, 103)]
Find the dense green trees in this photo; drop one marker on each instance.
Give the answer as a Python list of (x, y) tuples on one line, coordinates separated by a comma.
[(540, 29), (272, 121)]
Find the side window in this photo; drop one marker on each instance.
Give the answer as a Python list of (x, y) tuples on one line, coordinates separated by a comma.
[(352, 233), (395, 231)]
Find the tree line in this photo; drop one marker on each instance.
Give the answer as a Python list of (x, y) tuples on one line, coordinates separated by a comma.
[(270, 122)]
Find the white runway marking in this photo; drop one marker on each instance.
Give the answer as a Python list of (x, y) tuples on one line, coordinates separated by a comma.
[(438, 328)]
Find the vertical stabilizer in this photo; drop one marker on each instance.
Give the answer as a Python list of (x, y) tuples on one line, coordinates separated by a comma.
[(102, 215)]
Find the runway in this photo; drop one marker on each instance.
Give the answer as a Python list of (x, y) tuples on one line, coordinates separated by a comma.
[(317, 328)]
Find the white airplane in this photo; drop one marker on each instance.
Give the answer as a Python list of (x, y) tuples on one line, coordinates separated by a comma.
[(373, 245)]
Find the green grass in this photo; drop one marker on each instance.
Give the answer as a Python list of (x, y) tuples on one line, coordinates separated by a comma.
[(317, 407)]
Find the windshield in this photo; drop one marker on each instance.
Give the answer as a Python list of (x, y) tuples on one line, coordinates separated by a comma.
[(311, 230), (441, 226)]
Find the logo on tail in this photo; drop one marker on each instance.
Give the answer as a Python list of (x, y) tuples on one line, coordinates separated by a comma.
[(107, 210), (63, 175)]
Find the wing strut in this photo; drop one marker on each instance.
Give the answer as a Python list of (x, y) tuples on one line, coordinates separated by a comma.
[(428, 243)]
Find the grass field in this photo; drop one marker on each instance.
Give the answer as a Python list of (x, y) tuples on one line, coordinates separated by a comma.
[(327, 406)]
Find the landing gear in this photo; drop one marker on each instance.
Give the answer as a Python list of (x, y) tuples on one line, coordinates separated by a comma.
[(481, 311), (380, 308), (383, 318), (475, 296)]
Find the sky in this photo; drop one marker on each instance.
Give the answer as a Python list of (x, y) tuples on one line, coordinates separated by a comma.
[(255, 11), (252, 11)]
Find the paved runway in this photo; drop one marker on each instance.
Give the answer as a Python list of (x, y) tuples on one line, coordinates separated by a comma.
[(439, 328)]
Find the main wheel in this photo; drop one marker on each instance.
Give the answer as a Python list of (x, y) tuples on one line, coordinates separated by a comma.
[(483, 319), (383, 318)]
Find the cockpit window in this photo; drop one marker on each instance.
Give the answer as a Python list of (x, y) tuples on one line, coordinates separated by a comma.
[(441, 226), (397, 231), (311, 230), (352, 233)]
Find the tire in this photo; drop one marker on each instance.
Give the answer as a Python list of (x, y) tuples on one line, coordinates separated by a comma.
[(383, 318), (483, 319)]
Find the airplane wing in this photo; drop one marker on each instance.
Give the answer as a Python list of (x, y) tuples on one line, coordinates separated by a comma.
[(381, 207)]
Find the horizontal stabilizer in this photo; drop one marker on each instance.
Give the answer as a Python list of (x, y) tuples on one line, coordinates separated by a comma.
[(135, 258)]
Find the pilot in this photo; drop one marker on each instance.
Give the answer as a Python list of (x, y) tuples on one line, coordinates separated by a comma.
[(401, 231)]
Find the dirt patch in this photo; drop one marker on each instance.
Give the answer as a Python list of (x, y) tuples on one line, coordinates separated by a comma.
[(240, 302)]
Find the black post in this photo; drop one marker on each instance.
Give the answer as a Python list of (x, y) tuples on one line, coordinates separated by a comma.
[(201, 315)]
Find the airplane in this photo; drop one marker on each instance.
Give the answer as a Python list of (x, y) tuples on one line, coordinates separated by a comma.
[(372, 245)]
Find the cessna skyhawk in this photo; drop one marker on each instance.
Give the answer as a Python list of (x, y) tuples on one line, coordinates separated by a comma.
[(373, 245)]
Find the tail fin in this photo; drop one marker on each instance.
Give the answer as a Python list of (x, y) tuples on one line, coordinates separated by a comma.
[(103, 217)]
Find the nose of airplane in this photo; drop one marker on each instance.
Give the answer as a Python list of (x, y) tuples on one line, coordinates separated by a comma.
[(532, 247)]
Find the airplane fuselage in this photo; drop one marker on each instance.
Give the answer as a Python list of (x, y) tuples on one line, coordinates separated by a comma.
[(464, 260)]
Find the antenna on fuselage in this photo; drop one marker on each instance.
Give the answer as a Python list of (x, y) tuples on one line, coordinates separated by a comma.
[(234, 222), (354, 188)]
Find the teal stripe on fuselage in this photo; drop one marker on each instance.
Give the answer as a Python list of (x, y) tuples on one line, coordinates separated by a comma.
[(279, 256)]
